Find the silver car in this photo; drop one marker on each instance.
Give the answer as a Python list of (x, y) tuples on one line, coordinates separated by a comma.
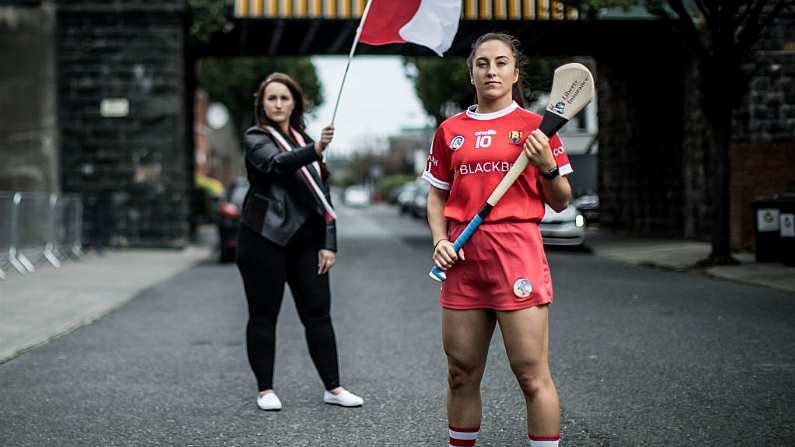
[(564, 228), (356, 196)]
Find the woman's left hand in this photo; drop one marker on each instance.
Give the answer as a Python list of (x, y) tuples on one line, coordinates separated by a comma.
[(325, 260), (537, 149)]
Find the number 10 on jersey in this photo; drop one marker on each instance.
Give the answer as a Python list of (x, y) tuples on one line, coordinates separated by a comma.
[(482, 141)]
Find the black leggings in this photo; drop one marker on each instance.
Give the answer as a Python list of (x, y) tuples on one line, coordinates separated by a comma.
[(265, 266)]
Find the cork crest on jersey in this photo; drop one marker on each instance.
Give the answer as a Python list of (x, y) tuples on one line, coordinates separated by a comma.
[(515, 136)]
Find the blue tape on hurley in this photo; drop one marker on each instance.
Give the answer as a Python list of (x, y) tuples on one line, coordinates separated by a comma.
[(437, 273)]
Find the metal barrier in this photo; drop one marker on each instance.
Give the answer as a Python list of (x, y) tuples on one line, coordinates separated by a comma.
[(37, 228)]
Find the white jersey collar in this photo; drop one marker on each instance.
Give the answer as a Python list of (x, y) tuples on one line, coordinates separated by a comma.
[(493, 115)]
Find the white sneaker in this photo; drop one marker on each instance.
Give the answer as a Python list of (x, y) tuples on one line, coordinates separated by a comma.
[(269, 402), (344, 399)]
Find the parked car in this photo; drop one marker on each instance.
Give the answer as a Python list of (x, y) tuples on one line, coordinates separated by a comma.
[(356, 195), (392, 194), (229, 218), (420, 202), (405, 197), (588, 204), (564, 228)]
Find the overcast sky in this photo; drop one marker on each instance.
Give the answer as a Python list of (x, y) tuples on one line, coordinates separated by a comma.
[(377, 102)]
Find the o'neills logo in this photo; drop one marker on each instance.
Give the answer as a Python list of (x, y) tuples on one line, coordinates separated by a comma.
[(485, 167)]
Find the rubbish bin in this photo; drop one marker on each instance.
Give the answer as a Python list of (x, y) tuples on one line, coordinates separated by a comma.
[(767, 229), (786, 205)]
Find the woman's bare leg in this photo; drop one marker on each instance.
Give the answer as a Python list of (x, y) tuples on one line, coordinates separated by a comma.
[(466, 335), (526, 336)]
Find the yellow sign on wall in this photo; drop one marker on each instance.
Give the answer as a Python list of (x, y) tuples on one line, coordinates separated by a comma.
[(346, 9)]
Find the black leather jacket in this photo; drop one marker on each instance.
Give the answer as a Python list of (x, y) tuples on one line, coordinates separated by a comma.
[(279, 200)]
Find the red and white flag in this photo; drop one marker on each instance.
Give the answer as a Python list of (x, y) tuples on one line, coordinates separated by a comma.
[(430, 23)]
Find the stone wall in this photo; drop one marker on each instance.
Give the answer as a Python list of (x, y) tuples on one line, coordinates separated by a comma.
[(133, 167), (640, 142), (28, 130)]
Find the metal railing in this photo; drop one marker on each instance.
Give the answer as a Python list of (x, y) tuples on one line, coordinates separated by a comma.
[(37, 228)]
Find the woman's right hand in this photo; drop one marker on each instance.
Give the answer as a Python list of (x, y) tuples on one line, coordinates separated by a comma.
[(325, 139), (444, 256)]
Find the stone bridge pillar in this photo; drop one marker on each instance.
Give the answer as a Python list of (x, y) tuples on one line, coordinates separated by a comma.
[(122, 110), (28, 128), (640, 141)]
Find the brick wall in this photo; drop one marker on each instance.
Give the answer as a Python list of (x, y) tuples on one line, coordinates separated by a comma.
[(134, 171), (758, 170)]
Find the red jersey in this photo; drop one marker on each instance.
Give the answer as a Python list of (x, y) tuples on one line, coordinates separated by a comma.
[(472, 152)]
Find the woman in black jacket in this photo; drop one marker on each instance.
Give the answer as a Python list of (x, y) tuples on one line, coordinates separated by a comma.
[(288, 234)]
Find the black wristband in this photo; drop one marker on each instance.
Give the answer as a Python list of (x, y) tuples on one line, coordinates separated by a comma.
[(440, 240), (551, 174)]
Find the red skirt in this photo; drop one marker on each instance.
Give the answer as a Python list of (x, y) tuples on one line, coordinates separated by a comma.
[(505, 269)]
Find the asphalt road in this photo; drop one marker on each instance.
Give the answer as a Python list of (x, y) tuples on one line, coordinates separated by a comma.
[(640, 357)]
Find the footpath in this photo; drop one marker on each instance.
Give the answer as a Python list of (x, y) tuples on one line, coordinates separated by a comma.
[(682, 255), (38, 307), (50, 302)]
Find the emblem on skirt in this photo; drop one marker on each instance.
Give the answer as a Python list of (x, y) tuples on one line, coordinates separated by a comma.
[(522, 288), (515, 136)]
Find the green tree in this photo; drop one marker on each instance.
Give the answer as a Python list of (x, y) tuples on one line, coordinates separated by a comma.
[(443, 85), (209, 17), (234, 81)]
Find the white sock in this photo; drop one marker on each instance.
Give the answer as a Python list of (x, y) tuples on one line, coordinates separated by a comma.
[(544, 441), (463, 437)]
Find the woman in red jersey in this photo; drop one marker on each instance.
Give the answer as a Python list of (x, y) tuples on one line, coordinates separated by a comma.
[(503, 278)]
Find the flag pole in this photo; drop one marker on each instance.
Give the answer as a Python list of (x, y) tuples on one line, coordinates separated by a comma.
[(350, 56)]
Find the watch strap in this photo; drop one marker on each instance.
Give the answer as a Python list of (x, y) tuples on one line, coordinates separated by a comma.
[(551, 174)]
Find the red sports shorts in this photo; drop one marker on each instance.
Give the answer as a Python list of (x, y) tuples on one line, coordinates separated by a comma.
[(505, 269)]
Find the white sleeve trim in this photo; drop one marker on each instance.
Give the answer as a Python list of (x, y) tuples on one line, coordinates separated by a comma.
[(565, 169), (427, 176)]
